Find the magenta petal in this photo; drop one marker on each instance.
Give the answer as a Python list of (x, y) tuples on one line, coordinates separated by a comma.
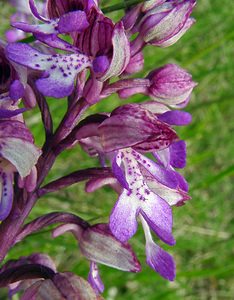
[(123, 222), (75, 21), (6, 183), (178, 154), (176, 117), (160, 261), (158, 215)]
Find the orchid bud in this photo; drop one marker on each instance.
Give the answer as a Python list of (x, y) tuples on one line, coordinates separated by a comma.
[(98, 244), (163, 22), (61, 286), (170, 84)]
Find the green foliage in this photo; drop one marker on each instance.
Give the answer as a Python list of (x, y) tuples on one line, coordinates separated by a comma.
[(204, 226)]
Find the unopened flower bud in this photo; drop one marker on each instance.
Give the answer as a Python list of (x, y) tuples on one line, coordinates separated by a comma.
[(165, 21), (170, 84)]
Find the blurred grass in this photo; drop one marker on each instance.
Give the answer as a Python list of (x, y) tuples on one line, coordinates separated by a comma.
[(204, 227)]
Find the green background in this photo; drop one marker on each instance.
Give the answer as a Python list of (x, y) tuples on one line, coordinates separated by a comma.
[(203, 227)]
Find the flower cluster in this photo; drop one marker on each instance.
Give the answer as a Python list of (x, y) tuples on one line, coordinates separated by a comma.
[(79, 53)]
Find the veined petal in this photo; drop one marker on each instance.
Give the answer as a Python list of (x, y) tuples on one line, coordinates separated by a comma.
[(60, 70), (22, 154), (121, 53), (132, 125), (6, 193), (123, 223)]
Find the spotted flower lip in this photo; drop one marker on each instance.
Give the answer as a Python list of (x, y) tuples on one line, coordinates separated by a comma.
[(59, 70), (138, 200), (15, 139)]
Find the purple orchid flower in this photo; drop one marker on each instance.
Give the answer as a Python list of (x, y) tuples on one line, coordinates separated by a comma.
[(70, 22), (60, 70), (18, 153)]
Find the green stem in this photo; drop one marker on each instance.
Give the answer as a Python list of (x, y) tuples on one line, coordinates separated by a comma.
[(125, 4)]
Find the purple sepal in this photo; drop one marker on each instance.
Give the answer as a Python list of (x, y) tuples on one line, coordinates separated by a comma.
[(94, 278), (16, 90), (132, 125), (176, 117), (75, 21)]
